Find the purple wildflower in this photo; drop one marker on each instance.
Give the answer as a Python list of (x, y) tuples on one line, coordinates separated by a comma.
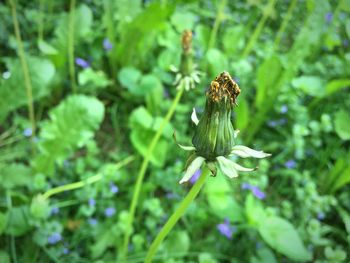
[(92, 202), (226, 229), (92, 221), (290, 164), (82, 62), (284, 109), (107, 45), (27, 132), (258, 193), (54, 211), (329, 17), (321, 216), (54, 238), (114, 189), (109, 211), (246, 186), (195, 176), (65, 251)]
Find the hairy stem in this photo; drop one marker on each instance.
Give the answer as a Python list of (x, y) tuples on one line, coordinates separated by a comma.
[(25, 69), (142, 172), (71, 44), (90, 180), (177, 215)]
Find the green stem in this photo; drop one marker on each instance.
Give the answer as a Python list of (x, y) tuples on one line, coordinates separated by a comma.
[(218, 19), (177, 215), (71, 44), (12, 238), (285, 22), (257, 31), (90, 180), (142, 171), (41, 20), (26, 74)]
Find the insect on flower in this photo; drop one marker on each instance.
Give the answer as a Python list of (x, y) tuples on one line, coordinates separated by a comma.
[(214, 137)]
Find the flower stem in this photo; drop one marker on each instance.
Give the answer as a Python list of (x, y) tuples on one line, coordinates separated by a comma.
[(26, 74), (285, 22), (90, 180), (257, 31), (142, 171), (177, 215), (218, 20), (71, 44)]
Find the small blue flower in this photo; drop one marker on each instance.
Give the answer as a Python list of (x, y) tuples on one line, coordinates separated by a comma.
[(284, 109), (329, 17), (321, 216), (54, 238), (195, 176), (290, 164), (258, 193), (65, 251), (82, 62), (226, 229), (92, 202), (345, 43), (54, 211), (27, 132), (114, 189), (92, 221), (109, 211), (171, 195), (246, 186), (107, 45)]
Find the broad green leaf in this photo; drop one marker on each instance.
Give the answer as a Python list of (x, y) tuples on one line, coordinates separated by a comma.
[(217, 62), (129, 77), (40, 207), (14, 175), (183, 20), (178, 242), (221, 199), (336, 85), (46, 48), (264, 255), (232, 39), (4, 257), (342, 124), (72, 124), (13, 93), (92, 80), (267, 77), (147, 84), (283, 237), (254, 210), (143, 129), (345, 215), (18, 221), (310, 85), (242, 114)]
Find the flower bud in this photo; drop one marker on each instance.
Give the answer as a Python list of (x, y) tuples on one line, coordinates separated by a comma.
[(214, 135)]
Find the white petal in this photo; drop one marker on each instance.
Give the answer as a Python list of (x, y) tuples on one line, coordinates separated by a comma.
[(235, 133), (195, 76), (186, 148), (194, 166), (173, 68), (194, 117), (240, 168), (227, 167), (245, 152)]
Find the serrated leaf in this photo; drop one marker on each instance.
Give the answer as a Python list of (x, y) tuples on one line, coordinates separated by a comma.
[(72, 124), (283, 237)]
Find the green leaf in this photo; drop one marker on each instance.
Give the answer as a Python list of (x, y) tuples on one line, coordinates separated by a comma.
[(46, 48), (221, 199), (345, 217), (129, 77), (4, 257), (283, 237), (14, 175), (267, 77), (217, 62), (3, 222), (40, 207), (254, 211), (143, 129), (178, 242), (183, 20), (18, 221), (342, 124), (92, 80), (13, 93), (242, 114), (310, 85), (72, 124), (336, 85), (264, 255)]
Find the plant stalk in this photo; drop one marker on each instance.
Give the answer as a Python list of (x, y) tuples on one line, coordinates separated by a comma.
[(177, 215), (142, 171), (25, 69), (218, 19), (71, 26)]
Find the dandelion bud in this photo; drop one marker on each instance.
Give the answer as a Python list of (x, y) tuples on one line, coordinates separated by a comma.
[(214, 135)]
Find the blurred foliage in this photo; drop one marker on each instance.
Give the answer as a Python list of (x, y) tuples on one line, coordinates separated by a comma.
[(291, 60)]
